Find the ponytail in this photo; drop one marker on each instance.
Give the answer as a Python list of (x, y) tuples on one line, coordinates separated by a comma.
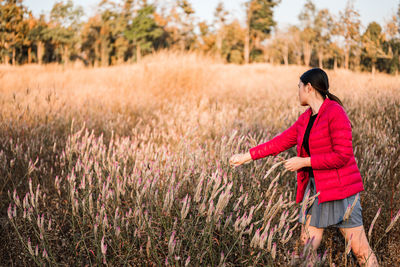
[(319, 81), (334, 98)]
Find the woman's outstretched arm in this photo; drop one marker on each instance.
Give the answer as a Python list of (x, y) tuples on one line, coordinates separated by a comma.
[(279, 143), (276, 145)]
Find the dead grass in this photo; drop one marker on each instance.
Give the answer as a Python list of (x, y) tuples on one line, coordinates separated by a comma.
[(185, 105)]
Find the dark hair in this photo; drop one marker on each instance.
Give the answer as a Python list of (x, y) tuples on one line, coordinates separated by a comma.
[(319, 80)]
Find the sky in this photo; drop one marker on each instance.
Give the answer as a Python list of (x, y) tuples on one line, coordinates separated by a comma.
[(284, 14)]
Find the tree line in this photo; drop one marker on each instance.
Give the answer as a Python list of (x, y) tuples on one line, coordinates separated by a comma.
[(126, 30)]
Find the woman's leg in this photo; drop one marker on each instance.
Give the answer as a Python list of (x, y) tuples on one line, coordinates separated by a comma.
[(360, 246), (311, 234), (308, 232)]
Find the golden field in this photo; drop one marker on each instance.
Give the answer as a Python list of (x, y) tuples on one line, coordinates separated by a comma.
[(128, 165)]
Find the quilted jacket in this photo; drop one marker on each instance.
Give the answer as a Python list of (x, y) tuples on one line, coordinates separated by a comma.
[(332, 159)]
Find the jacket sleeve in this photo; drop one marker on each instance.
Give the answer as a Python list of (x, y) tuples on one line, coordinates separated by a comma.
[(341, 139), (279, 143)]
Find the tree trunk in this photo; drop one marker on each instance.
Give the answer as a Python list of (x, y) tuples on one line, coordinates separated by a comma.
[(373, 67), (257, 42), (307, 49), (335, 62), (65, 55), (266, 55), (97, 55), (6, 55), (298, 56), (6, 58), (247, 47), (398, 66), (219, 42), (104, 54), (346, 58), (29, 54), (320, 58), (39, 52), (120, 59), (286, 54), (182, 43), (13, 56), (138, 53), (120, 56)]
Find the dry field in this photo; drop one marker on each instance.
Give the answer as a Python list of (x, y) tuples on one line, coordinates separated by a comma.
[(128, 165)]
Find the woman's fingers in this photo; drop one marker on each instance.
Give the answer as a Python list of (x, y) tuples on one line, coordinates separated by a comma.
[(232, 160), (235, 164), (235, 160), (288, 165)]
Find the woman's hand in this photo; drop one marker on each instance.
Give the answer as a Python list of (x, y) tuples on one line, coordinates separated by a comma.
[(239, 159), (295, 163)]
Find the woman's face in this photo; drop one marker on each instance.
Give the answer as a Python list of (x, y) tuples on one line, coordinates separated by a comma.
[(303, 94)]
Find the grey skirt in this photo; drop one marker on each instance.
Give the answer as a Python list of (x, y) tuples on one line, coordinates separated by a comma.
[(331, 213)]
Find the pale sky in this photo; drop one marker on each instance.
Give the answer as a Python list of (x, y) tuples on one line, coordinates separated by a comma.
[(285, 13)]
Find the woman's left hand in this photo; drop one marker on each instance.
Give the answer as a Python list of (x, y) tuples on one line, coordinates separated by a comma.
[(295, 163)]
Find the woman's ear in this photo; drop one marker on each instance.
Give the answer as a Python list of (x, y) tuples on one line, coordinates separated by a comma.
[(308, 88)]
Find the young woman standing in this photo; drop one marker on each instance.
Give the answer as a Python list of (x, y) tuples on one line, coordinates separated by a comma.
[(325, 163)]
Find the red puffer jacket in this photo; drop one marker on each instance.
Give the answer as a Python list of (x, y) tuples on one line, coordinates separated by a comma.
[(332, 159)]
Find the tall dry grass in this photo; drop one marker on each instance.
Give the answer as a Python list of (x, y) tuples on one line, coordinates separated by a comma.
[(128, 165)]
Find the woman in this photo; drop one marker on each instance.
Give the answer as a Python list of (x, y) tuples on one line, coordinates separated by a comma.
[(325, 163)]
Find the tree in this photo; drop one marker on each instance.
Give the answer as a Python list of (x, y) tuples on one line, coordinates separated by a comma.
[(398, 42), (143, 30), (179, 25), (232, 46), (349, 28), (186, 24), (91, 40), (392, 35), (119, 43), (295, 47), (398, 18), (323, 24), (36, 36), (208, 38), (64, 26), (105, 30), (279, 46), (220, 15), (12, 28), (31, 22), (391, 28), (308, 35), (259, 23), (372, 40), (335, 51)]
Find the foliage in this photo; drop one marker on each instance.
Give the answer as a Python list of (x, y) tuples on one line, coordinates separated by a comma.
[(143, 30), (125, 31)]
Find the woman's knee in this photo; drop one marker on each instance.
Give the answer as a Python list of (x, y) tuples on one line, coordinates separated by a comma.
[(311, 235), (359, 244)]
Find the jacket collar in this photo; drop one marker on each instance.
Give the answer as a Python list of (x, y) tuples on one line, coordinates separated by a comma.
[(326, 103)]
